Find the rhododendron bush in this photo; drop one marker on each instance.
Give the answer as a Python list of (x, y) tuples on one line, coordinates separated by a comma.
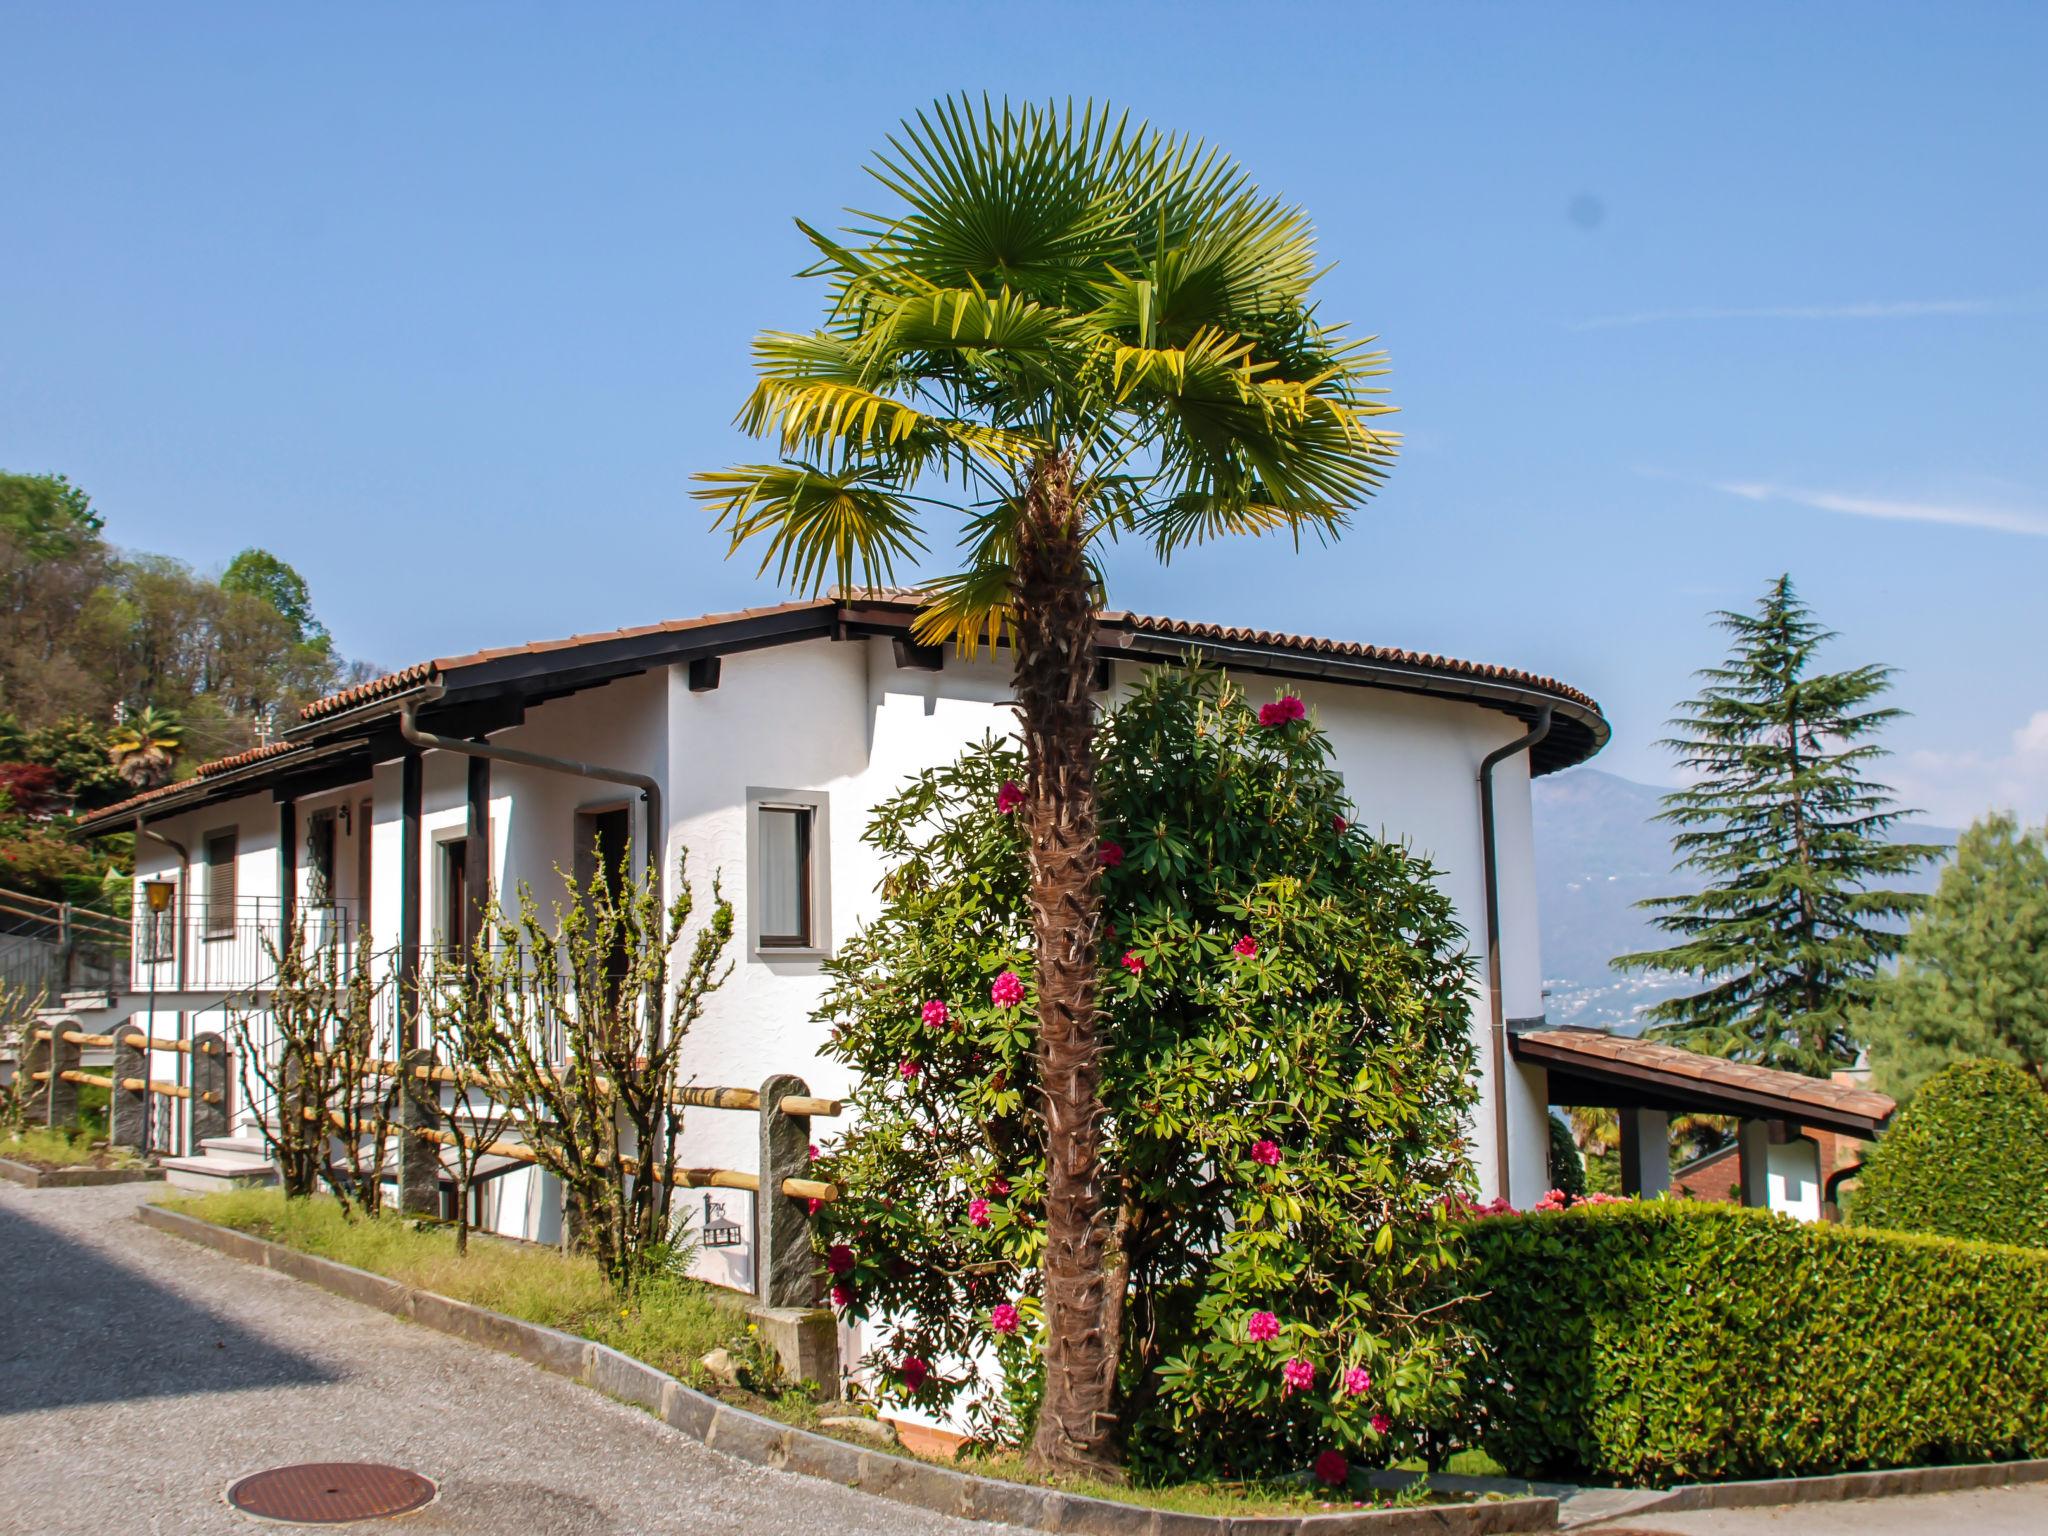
[(1286, 1080)]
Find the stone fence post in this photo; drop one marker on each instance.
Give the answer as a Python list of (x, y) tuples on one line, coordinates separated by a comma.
[(60, 1102), (419, 1160), (805, 1335), (209, 1088), (128, 1108)]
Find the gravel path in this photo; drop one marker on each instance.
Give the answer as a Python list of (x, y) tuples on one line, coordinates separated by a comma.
[(140, 1375)]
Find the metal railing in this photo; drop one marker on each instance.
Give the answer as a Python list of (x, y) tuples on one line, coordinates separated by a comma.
[(48, 948), (203, 946)]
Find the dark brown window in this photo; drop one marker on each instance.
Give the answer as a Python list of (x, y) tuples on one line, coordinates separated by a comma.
[(784, 870), (220, 885)]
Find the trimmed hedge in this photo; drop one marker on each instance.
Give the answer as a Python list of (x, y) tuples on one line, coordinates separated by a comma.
[(1967, 1158), (1667, 1342)]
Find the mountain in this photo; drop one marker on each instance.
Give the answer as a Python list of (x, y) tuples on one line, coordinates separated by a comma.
[(1599, 851)]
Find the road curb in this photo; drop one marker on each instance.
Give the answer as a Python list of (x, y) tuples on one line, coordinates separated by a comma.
[(764, 1442), (30, 1176)]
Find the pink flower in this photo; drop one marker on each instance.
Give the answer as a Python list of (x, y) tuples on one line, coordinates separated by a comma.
[(1004, 1318), (977, 1213), (909, 1069), (815, 1205), (1282, 710), (839, 1259), (936, 1013), (1332, 1469), (914, 1372), (1357, 1381), (999, 1186), (1133, 961), (1553, 1200), (842, 1295), (1111, 854), (1009, 797), (1381, 1423), (1267, 1153), (1246, 946), (1007, 990), (1338, 824), (1297, 1375), (1263, 1328), (812, 1152)]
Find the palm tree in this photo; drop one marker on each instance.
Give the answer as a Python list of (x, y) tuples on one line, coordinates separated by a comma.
[(1077, 328), (145, 747)]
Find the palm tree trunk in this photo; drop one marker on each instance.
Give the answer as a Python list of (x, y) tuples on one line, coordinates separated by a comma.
[(1055, 633)]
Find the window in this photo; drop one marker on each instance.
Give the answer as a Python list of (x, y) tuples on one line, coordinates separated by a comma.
[(785, 865), (220, 885), (454, 927)]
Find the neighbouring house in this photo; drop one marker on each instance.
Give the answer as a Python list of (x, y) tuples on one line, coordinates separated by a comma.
[(759, 742), (1836, 1157)]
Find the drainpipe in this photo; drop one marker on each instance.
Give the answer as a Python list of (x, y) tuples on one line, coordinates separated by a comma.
[(1521, 743), (650, 789), (184, 890)]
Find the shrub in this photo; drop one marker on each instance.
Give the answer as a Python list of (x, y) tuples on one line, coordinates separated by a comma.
[(1287, 1076), (1967, 1158), (1668, 1342)]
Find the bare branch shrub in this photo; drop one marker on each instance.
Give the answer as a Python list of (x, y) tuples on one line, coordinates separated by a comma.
[(466, 1008)]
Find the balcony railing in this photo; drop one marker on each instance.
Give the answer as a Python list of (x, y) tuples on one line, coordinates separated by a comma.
[(232, 946)]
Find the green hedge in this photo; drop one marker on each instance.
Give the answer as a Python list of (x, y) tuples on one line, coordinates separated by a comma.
[(1967, 1158), (1667, 1342)]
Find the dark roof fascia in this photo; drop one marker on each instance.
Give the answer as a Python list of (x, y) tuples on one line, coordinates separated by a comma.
[(1663, 1090)]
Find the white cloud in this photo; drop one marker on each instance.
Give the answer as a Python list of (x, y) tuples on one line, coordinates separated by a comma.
[(1954, 514), (1905, 309), (1955, 788)]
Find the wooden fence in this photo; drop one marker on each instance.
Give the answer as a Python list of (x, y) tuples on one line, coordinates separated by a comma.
[(52, 1063)]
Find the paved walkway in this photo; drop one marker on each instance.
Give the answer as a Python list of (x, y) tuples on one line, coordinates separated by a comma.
[(1984, 1512), (140, 1375)]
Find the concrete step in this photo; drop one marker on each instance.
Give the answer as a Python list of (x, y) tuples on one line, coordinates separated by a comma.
[(217, 1171), (247, 1145)]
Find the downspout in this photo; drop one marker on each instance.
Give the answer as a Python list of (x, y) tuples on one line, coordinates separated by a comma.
[(184, 889), (1521, 743), (650, 788)]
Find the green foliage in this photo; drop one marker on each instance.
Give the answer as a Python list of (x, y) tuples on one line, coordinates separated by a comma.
[(1667, 1342), (1967, 1158), (258, 573), (1280, 985), (1567, 1168), (46, 517), (1789, 831), (1973, 979)]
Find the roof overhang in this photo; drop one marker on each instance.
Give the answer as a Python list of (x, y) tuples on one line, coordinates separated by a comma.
[(1589, 1068)]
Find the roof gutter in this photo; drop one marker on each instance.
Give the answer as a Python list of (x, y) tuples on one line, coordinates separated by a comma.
[(650, 788), (1499, 1033)]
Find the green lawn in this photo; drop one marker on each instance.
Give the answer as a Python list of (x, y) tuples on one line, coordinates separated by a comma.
[(62, 1149)]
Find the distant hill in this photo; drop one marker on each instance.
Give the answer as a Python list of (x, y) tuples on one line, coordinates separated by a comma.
[(1600, 850)]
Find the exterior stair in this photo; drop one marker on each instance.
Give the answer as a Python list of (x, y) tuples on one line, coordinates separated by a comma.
[(225, 1162)]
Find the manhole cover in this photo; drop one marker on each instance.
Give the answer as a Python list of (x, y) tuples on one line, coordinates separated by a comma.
[(330, 1492)]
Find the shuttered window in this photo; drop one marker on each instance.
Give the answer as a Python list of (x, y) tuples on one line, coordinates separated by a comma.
[(220, 885)]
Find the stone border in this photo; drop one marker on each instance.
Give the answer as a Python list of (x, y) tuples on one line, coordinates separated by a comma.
[(764, 1442), (73, 1178), (1893, 1482)]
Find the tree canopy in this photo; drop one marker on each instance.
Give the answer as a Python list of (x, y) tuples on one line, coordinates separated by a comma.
[(1967, 1158)]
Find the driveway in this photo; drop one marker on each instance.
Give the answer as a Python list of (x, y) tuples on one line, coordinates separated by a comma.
[(139, 1376)]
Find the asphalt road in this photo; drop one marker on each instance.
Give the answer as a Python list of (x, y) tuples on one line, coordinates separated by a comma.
[(140, 1375), (1983, 1512)]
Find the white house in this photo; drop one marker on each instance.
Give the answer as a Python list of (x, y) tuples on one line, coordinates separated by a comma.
[(759, 741)]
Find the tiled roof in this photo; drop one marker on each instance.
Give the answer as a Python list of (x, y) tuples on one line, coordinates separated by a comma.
[(206, 770)]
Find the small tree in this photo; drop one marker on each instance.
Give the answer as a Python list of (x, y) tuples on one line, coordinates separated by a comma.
[(1285, 1074), (18, 1003), (1973, 978), (1967, 1158), (466, 1013), (1790, 832), (590, 1025), (310, 1053)]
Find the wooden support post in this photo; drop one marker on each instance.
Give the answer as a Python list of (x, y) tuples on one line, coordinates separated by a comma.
[(287, 870), (409, 796), (1645, 1152), (1753, 1147), (128, 1108), (60, 1097), (476, 852), (209, 1102), (419, 1159)]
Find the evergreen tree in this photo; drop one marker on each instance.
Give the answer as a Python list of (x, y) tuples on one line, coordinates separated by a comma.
[(1792, 837), (1973, 978)]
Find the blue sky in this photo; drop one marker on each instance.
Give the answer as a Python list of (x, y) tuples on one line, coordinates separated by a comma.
[(446, 304)]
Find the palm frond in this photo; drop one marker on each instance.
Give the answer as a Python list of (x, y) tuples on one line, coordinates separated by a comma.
[(823, 529)]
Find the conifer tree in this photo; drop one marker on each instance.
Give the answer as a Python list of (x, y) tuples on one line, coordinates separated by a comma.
[(1793, 839), (1973, 979)]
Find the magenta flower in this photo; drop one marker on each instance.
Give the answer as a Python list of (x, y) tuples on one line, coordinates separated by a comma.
[(999, 1186), (914, 1372), (1004, 1318), (1381, 1423), (839, 1259), (1009, 797), (1297, 1375), (1007, 990), (977, 1213), (1357, 1381), (1111, 854), (1282, 710), (909, 1069), (842, 1295), (812, 1152), (936, 1013), (815, 1205), (1338, 824), (1266, 1152), (1246, 946), (1332, 1470), (1133, 961), (1263, 1328)]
